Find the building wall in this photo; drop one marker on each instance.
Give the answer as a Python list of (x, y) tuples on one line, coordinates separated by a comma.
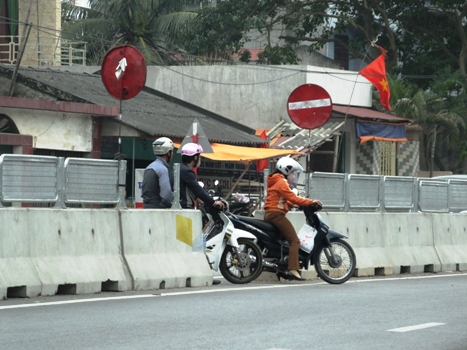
[(368, 158), (43, 44), (408, 156), (255, 95), (365, 159), (54, 131)]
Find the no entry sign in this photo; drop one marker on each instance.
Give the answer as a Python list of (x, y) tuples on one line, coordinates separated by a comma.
[(309, 106)]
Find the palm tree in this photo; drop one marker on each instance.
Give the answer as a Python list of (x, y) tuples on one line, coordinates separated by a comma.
[(440, 110), (153, 26)]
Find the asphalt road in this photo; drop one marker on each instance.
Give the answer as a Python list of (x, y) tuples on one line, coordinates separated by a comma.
[(427, 312)]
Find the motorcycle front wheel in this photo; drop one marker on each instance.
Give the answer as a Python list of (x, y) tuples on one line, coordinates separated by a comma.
[(243, 267), (340, 269)]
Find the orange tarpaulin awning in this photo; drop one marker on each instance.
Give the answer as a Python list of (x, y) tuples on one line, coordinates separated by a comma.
[(230, 153)]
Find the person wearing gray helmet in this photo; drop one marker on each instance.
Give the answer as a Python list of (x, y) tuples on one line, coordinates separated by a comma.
[(156, 189)]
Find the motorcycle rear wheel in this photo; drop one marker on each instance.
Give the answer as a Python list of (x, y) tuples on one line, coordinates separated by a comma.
[(340, 272), (243, 270)]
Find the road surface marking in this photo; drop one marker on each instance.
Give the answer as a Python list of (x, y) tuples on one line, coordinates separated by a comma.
[(157, 293), (416, 327)]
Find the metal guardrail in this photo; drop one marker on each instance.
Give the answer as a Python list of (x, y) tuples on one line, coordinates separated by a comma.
[(28, 177), (54, 180), (350, 192), (44, 179)]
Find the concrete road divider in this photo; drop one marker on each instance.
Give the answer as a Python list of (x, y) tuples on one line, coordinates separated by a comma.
[(18, 276), (56, 251), (76, 251), (395, 243), (450, 239), (163, 250), (47, 251)]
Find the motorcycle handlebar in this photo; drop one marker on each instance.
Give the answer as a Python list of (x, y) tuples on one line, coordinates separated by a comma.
[(312, 208)]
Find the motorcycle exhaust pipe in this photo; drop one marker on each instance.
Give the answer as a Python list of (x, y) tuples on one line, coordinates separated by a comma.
[(269, 264)]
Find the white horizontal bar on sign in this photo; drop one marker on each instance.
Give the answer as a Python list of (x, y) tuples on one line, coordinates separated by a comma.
[(310, 104), (415, 328)]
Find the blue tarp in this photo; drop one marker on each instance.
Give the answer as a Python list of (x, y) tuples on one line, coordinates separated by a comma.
[(381, 132)]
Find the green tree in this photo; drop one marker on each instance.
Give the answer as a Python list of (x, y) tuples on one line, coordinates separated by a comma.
[(441, 112), (153, 26), (421, 37)]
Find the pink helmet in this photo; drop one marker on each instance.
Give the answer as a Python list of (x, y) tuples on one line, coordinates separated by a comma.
[(190, 149)]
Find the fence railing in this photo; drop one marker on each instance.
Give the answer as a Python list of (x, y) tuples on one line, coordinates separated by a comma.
[(67, 182), (67, 53), (60, 181), (350, 192)]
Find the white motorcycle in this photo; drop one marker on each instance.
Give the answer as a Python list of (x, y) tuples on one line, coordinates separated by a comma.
[(231, 251)]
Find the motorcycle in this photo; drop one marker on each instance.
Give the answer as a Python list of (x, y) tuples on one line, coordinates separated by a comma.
[(241, 205), (230, 250), (333, 258)]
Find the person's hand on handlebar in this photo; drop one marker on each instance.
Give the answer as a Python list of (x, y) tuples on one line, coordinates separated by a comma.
[(218, 204), (317, 204)]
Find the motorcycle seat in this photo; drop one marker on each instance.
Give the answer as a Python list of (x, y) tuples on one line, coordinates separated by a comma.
[(261, 224)]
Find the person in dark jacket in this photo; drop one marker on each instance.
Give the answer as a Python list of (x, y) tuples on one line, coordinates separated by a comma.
[(156, 189), (190, 189)]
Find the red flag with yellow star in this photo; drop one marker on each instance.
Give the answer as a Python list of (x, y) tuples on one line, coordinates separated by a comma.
[(375, 73)]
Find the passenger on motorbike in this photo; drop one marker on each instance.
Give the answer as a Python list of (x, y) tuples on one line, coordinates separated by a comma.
[(279, 200), (190, 189)]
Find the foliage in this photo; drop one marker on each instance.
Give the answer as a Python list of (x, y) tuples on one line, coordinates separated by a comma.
[(153, 26), (441, 111)]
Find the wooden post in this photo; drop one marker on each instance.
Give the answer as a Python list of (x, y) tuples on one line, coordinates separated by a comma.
[(236, 182), (26, 31)]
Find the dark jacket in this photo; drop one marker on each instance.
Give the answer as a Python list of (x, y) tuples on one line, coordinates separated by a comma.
[(190, 189)]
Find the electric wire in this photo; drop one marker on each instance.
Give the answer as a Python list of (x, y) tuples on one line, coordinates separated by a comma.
[(288, 68)]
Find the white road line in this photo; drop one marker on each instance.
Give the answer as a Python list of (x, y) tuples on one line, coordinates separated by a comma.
[(416, 328), (214, 290)]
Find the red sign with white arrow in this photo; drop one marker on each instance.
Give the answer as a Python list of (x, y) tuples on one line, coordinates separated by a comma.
[(309, 106), (123, 72)]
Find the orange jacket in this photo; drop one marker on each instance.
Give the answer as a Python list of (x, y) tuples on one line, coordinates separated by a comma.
[(280, 197)]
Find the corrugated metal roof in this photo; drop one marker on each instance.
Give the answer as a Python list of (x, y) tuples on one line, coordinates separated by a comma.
[(151, 112), (291, 136), (366, 113)]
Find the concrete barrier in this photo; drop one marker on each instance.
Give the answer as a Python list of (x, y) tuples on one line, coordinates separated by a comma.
[(77, 251), (56, 251), (18, 276), (450, 240), (163, 248), (73, 251), (366, 233), (395, 243), (409, 242)]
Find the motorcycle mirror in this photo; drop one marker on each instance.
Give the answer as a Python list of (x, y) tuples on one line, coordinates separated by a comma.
[(216, 182)]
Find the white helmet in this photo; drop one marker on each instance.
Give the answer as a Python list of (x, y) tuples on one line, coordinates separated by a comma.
[(191, 149), (287, 166), (162, 146)]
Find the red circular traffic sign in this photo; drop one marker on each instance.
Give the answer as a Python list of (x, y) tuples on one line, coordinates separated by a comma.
[(123, 72), (309, 106)]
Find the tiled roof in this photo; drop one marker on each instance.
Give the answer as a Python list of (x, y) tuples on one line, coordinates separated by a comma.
[(151, 112), (365, 113)]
